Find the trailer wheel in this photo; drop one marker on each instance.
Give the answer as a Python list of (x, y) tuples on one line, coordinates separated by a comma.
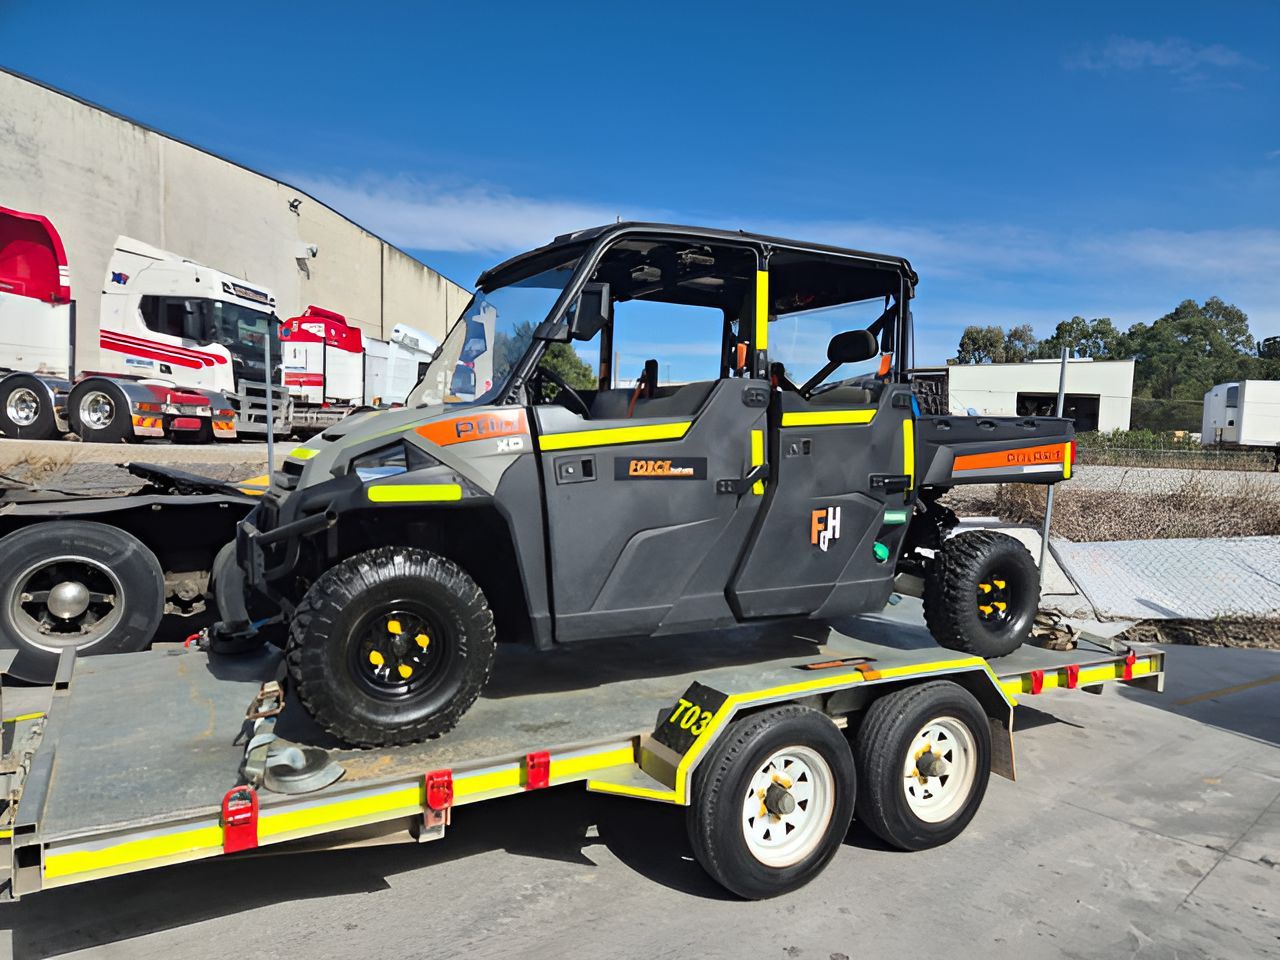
[(391, 646), (75, 583), (99, 412), (26, 412), (981, 594), (924, 758), (772, 802)]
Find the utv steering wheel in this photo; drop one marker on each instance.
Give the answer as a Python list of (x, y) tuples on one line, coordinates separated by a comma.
[(573, 394)]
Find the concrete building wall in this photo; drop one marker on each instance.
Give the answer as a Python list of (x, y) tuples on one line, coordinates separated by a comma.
[(993, 388), (97, 176)]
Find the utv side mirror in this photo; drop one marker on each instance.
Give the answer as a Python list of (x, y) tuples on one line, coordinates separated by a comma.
[(594, 311), (852, 346)]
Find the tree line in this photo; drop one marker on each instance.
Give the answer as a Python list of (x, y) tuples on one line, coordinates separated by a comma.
[(1177, 358)]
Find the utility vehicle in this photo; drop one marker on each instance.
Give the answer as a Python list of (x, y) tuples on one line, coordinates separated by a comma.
[(758, 485)]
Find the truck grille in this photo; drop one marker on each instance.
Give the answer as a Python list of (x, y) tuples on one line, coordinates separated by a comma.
[(251, 409)]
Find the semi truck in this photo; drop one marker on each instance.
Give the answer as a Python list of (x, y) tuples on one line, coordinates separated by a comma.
[(330, 367), (182, 346), (1244, 414)]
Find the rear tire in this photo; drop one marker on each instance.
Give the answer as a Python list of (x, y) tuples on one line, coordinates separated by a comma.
[(391, 646), (98, 412), (737, 837), (981, 594), (87, 563), (26, 412), (900, 809)]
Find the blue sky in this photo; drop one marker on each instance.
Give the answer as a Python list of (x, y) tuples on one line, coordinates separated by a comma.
[(1034, 161)]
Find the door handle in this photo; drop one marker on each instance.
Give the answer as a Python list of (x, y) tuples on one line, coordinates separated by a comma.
[(743, 485)]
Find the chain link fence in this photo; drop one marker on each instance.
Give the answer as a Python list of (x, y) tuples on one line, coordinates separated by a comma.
[(1207, 458)]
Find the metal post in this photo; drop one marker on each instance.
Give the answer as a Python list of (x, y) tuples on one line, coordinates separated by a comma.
[(1048, 503), (271, 415)]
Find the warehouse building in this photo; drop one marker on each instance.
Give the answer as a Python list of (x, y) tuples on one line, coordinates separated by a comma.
[(97, 175), (1099, 393)]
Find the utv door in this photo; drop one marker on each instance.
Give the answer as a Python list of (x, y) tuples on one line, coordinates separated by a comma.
[(648, 515), (835, 517)]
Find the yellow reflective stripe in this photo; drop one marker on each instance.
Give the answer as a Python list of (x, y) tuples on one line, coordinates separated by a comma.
[(762, 309), (1099, 673), (614, 435), (352, 812), (254, 486), (757, 458), (626, 790), (414, 492), (471, 785), (909, 451), (303, 453), (575, 767), (24, 716), (201, 841), (823, 418), (1066, 461)]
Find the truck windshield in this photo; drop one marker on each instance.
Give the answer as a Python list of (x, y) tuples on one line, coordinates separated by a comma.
[(243, 331), (489, 338)]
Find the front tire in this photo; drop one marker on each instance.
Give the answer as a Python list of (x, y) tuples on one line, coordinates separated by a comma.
[(391, 646), (26, 412), (981, 594), (924, 759), (74, 583), (773, 801), (99, 412)]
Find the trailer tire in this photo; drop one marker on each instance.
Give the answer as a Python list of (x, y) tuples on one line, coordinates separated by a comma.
[(744, 852), (981, 594), (356, 651), (80, 559), (99, 412), (898, 808), (26, 411)]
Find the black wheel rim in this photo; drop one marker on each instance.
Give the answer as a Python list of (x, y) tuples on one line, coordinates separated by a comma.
[(400, 651), (997, 604)]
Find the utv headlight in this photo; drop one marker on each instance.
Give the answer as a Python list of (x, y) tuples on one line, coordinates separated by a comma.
[(390, 461)]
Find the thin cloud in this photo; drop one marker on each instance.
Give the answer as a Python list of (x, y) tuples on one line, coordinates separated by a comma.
[(468, 218), (1192, 64)]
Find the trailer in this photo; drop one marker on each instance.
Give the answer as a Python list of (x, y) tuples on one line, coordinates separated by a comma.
[(773, 737), (1242, 415)]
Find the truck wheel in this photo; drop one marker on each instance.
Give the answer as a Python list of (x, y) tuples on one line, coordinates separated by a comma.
[(772, 802), (391, 646), (99, 413), (981, 594), (25, 410), (74, 583), (924, 758)]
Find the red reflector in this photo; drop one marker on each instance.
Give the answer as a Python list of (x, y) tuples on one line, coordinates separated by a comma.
[(1073, 675), (1037, 681), (439, 794), (1129, 661), (239, 819), (185, 423), (537, 770)]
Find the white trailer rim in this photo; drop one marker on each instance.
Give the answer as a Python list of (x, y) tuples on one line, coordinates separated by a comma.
[(97, 410), (781, 832), (939, 770), (23, 407), (53, 603)]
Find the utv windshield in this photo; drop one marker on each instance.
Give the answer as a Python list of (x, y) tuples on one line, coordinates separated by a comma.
[(489, 339)]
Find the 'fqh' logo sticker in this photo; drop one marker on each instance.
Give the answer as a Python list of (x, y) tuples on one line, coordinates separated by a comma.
[(824, 527)]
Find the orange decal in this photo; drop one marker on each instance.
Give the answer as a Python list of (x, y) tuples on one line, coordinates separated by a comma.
[(481, 426), (886, 362), (1018, 457)]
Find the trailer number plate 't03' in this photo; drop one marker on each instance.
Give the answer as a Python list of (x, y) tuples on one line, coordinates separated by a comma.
[(680, 727)]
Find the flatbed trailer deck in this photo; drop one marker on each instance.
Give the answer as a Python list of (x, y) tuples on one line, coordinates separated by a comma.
[(134, 761)]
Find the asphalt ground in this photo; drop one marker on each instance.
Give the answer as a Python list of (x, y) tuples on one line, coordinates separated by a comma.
[(1141, 824)]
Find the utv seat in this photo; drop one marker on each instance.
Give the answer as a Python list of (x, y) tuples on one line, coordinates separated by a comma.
[(676, 401)]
